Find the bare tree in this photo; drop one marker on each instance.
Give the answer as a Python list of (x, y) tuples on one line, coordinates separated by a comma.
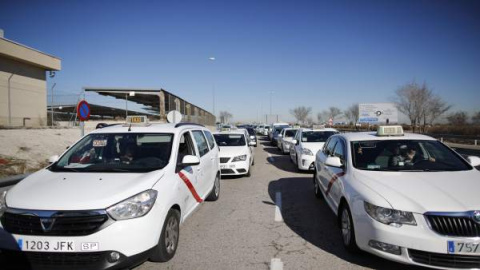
[(414, 101), (457, 118), (301, 113), (434, 108), (334, 112), (352, 113), (225, 116), (476, 118), (322, 117)]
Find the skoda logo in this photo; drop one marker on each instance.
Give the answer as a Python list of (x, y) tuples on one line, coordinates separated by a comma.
[(476, 216), (47, 224)]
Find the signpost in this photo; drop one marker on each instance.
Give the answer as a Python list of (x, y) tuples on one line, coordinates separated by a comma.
[(83, 113)]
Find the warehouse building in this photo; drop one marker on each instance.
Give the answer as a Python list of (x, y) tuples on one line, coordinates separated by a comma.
[(23, 86)]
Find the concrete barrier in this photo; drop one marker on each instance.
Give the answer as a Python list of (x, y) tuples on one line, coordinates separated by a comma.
[(12, 180)]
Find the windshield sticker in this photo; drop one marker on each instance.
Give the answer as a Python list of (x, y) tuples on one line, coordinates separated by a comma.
[(304, 139), (373, 166), (99, 143), (368, 144)]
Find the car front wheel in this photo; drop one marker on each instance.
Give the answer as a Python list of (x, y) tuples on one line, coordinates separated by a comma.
[(348, 230), (316, 186), (168, 242), (215, 193)]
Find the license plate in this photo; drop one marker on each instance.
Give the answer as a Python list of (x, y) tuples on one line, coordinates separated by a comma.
[(231, 166), (456, 247), (46, 245)]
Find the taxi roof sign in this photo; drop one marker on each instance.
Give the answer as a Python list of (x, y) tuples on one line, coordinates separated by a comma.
[(140, 120), (390, 131)]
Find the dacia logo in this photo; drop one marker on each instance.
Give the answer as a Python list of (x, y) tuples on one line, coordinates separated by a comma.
[(476, 216), (47, 224)]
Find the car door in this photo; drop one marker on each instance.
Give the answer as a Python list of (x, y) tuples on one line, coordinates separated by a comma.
[(322, 170), (332, 181), (188, 175), (213, 154), (294, 147), (204, 171)]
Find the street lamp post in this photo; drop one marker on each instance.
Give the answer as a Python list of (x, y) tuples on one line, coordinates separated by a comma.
[(271, 93), (213, 87), (51, 106)]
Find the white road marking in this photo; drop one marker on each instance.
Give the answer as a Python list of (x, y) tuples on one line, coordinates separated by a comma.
[(278, 207), (276, 264)]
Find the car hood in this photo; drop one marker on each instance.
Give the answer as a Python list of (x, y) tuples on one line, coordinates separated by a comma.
[(232, 151), (287, 139), (46, 190), (313, 146), (422, 192)]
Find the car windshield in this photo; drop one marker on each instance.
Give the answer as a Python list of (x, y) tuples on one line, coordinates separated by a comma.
[(279, 128), (405, 155), (316, 136), (290, 133), (117, 152), (251, 131), (230, 139)]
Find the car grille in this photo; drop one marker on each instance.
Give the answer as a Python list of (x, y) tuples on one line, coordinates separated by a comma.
[(75, 224), (462, 226), (444, 260), (53, 260), (227, 171), (224, 159)]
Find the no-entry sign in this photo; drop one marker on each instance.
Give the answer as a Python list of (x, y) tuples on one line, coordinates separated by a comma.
[(83, 110)]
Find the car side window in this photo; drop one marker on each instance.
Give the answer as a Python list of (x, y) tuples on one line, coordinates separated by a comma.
[(201, 142), (210, 139), (185, 147), (330, 146), (297, 136), (340, 151)]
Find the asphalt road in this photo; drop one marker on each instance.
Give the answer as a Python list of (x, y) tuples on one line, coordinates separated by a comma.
[(239, 230)]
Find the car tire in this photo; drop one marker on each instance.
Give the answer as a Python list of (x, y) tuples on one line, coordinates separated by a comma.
[(316, 186), (347, 229), (215, 193), (249, 171), (253, 162), (168, 242)]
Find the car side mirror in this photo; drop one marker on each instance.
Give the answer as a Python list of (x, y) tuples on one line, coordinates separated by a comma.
[(294, 141), (280, 135), (333, 162), (53, 159), (251, 143), (474, 161), (190, 160)]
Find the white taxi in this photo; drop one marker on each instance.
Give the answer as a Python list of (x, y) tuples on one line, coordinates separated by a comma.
[(236, 154), (114, 199), (285, 139), (404, 197), (306, 144)]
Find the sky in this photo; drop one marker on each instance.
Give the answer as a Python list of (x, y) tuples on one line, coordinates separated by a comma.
[(269, 55)]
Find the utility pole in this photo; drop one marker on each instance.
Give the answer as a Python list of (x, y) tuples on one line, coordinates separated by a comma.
[(213, 86), (9, 101)]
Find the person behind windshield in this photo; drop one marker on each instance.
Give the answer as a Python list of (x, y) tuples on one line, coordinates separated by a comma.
[(397, 159), (128, 155)]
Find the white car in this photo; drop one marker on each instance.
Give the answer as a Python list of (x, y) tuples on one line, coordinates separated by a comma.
[(306, 144), (236, 154), (285, 139), (114, 199), (404, 197)]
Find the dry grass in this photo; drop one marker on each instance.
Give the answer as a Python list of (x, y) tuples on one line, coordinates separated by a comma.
[(11, 166)]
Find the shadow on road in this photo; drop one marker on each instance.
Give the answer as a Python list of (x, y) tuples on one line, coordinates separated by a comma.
[(315, 222)]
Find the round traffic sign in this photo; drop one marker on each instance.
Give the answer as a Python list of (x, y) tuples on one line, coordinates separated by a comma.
[(83, 110)]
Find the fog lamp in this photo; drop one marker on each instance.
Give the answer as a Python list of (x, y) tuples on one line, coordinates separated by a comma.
[(113, 256), (385, 247)]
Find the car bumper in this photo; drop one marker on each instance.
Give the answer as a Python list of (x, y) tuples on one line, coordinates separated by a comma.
[(306, 162), (418, 245), (234, 168), (286, 147), (132, 239)]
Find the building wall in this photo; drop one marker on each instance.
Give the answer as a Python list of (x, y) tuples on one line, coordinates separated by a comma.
[(190, 112), (28, 93)]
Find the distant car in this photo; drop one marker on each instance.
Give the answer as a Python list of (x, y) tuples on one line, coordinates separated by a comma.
[(306, 144), (253, 136), (260, 128), (266, 130), (285, 139), (277, 128), (404, 197), (236, 155)]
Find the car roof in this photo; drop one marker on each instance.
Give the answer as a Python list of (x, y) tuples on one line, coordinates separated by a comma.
[(319, 129), (372, 136), (237, 131), (149, 128)]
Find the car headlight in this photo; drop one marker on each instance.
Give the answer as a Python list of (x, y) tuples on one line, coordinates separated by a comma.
[(390, 216), (307, 152), (240, 158), (133, 207), (3, 203)]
